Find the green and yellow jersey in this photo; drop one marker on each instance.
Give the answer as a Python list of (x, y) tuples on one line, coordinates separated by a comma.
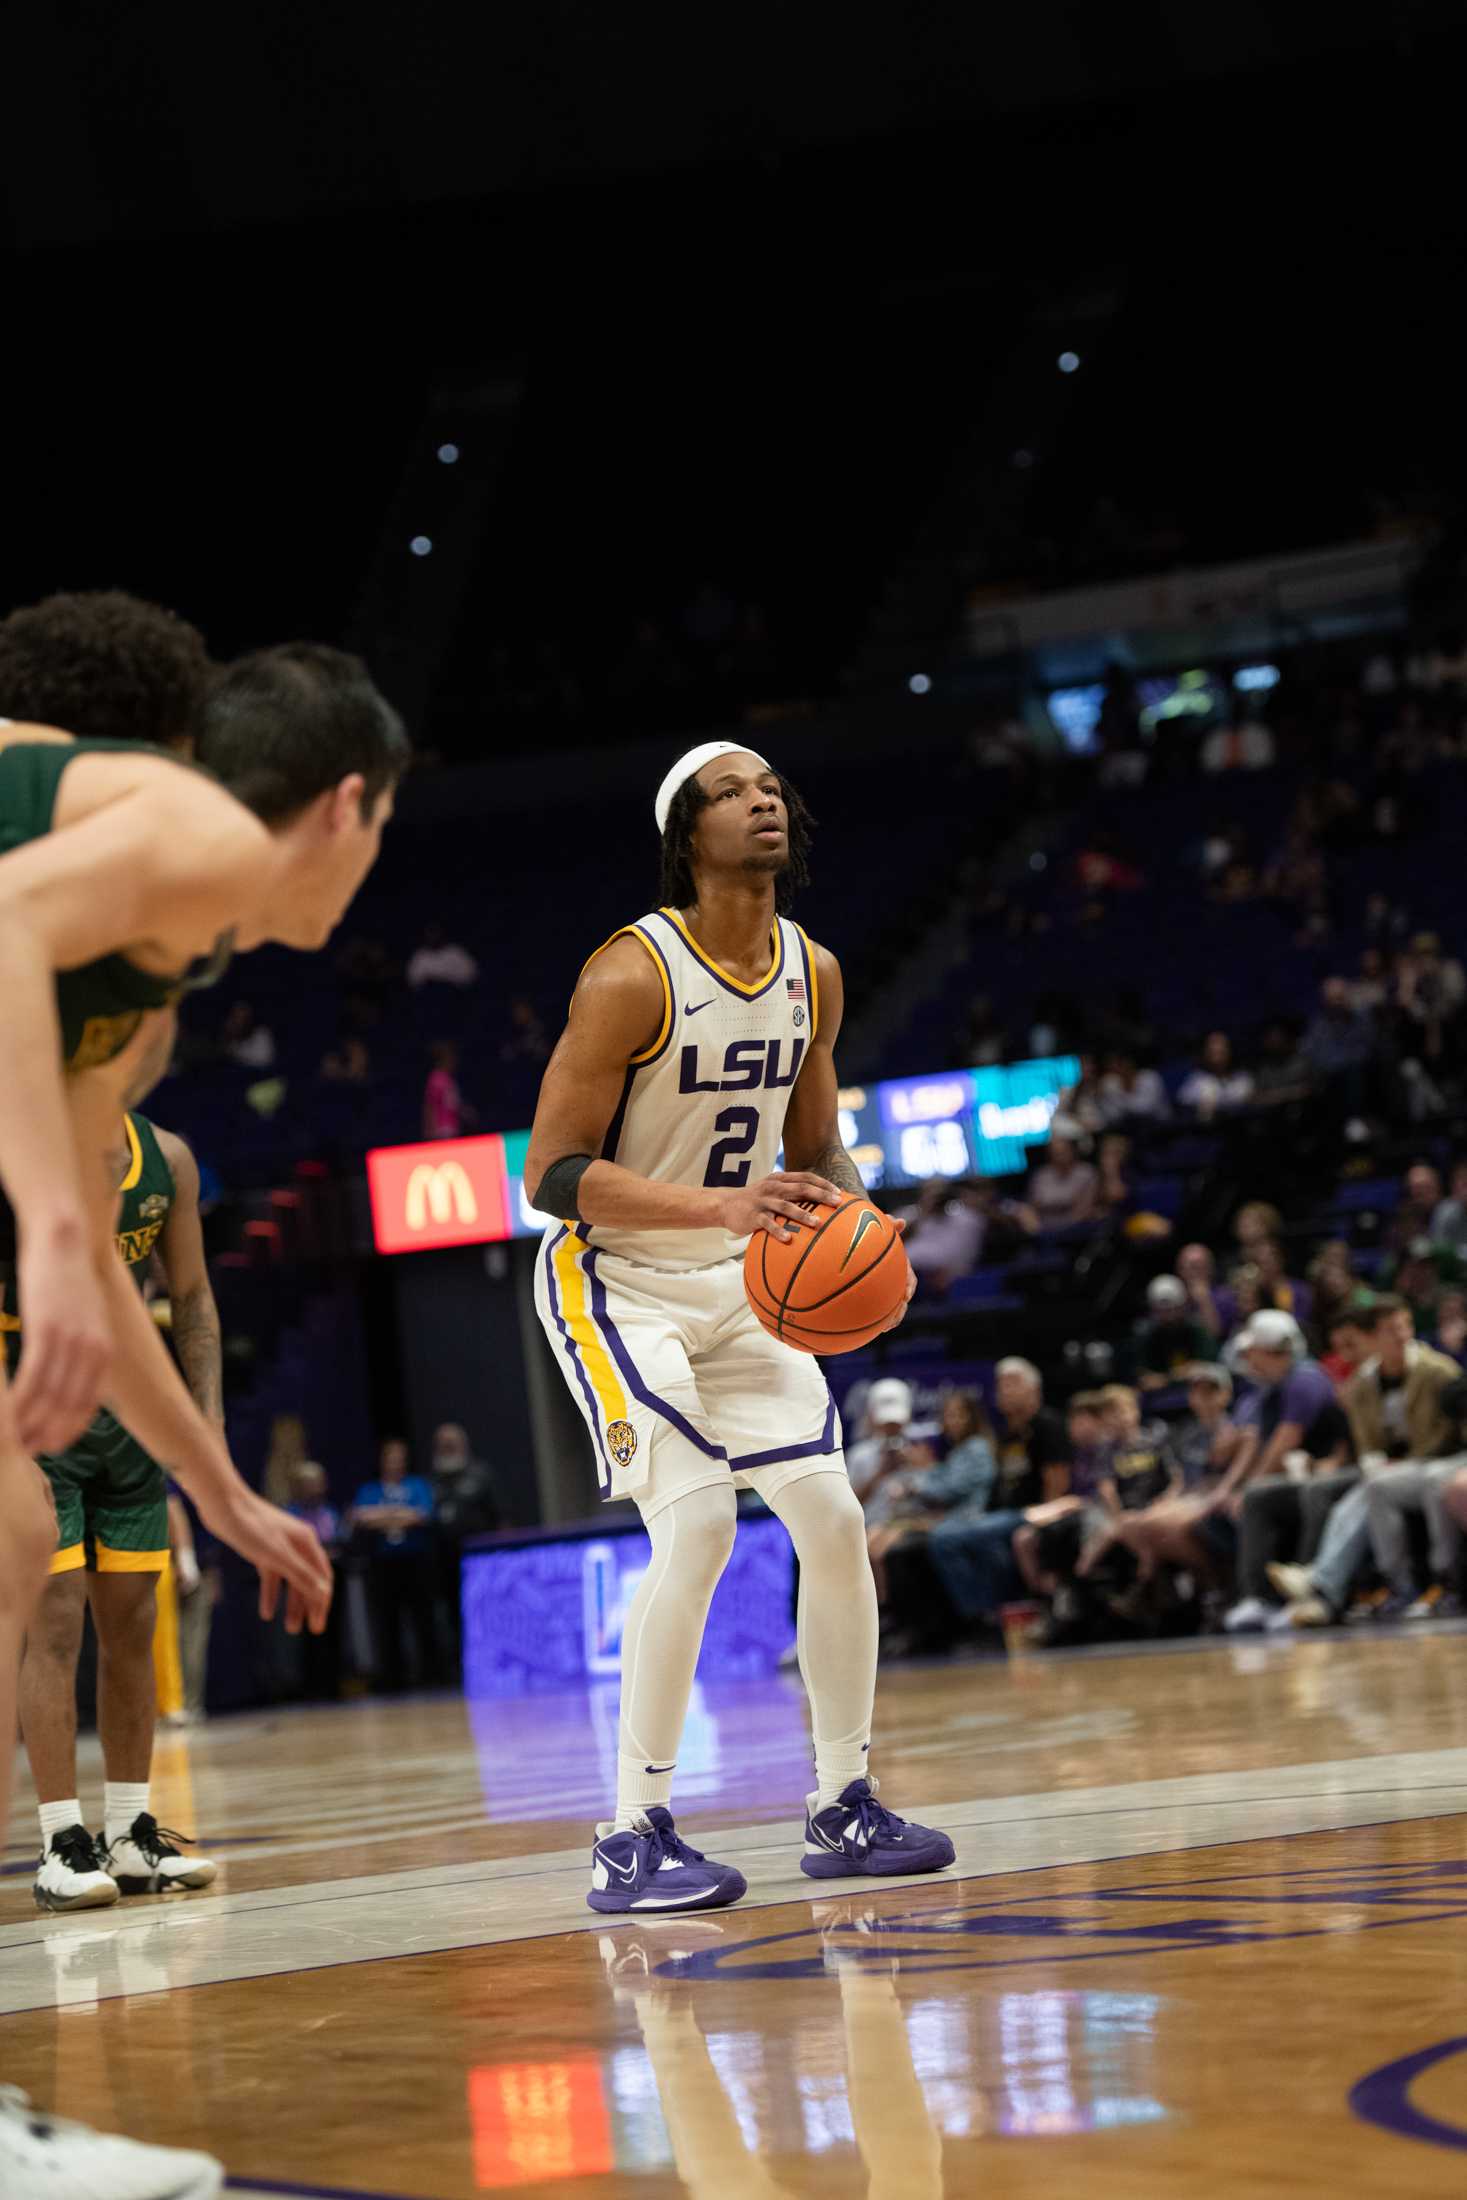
[(148, 1192), (102, 1003)]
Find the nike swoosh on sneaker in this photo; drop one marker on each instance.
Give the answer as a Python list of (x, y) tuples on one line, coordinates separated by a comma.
[(689, 1010), (627, 1872)]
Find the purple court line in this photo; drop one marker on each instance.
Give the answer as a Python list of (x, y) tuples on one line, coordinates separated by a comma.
[(558, 1932), (1383, 2097), (681, 1970), (296, 2191)]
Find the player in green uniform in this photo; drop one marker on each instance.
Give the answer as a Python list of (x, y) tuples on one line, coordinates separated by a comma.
[(111, 1546), (124, 874)]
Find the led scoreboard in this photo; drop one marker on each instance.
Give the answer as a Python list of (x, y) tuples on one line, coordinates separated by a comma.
[(964, 1122)]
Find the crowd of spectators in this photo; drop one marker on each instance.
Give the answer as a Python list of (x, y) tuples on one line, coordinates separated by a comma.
[(396, 1549), (1286, 1450)]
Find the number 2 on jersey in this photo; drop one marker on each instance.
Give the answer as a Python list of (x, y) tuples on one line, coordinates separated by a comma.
[(725, 1169)]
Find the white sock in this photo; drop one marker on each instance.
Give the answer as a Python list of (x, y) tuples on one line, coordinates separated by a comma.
[(836, 1765), (56, 1817), (640, 1789), (125, 1801), (837, 1625)]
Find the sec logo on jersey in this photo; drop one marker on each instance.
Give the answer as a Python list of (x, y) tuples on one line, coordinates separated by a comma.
[(621, 1441)]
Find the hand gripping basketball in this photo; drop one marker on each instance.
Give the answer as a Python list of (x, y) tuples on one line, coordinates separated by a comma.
[(836, 1284)]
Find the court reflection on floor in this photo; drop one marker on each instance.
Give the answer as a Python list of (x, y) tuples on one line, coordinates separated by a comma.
[(845, 2059)]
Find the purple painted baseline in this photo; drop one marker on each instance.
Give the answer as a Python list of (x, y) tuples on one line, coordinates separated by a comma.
[(311, 2192), (1383, 2097)]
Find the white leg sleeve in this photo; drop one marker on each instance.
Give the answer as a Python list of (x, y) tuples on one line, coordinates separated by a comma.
[(691, 1540), (838, 1623)]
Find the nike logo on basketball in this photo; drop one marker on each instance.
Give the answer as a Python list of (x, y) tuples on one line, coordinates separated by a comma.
[(868, 1221), (689, 1010)]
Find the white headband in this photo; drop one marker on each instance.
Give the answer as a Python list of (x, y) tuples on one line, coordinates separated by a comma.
[(694, 761)]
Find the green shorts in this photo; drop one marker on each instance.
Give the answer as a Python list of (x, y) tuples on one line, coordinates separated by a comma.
[(111, 1504)]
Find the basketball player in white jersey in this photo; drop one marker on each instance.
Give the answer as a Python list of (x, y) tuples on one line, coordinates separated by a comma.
[(700, 1039)]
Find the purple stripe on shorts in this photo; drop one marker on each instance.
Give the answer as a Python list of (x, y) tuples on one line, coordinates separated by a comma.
[(575, 1359), (631, 1374), (825, 1442)]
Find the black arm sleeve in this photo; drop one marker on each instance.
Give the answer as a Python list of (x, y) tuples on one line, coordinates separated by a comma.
[(559, 1186)]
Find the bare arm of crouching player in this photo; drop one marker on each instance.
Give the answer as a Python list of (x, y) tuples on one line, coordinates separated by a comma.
[(197, 1339), (158, 868), (146, 1392), (812, 1137), (616, 1012)]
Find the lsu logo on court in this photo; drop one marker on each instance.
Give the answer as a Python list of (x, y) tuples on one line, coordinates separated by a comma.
[(440, 1192), (621, 1442)]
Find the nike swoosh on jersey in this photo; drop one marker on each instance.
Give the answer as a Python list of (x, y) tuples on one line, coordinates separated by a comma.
[(689, 1010)]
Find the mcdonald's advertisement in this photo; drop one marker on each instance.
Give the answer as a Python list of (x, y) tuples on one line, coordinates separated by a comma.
[(447, 1191)]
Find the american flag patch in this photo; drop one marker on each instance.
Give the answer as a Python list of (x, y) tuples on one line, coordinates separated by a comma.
[(795, 987)]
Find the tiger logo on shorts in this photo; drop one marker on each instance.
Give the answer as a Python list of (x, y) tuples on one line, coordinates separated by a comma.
[(621, 1439)]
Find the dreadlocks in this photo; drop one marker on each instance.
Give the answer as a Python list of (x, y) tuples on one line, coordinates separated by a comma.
[(105, 666), (678, 890)]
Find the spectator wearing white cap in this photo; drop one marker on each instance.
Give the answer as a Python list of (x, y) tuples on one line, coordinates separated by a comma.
[(885, 1451), (1062, 1189), (1171, 1337)]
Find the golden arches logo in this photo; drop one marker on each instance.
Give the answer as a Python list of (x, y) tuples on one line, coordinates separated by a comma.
[(440, 1192)]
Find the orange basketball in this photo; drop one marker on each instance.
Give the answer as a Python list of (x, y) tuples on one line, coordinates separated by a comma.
[(833, 1287)]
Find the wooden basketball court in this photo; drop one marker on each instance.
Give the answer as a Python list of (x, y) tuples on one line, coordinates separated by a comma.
[(1207, 1934)]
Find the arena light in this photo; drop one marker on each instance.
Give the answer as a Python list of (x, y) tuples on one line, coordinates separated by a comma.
[(1251, 679), (448, 454), (421, 545), (920, 684), (1068, 361)]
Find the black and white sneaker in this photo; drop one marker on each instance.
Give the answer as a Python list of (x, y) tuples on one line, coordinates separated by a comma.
[(147, 1860), (72, 1874)]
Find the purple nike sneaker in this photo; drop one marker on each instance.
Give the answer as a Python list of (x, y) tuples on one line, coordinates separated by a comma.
[(859, 1835), (650, 1868)]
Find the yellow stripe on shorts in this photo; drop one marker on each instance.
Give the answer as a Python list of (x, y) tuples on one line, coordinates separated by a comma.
[(595, 1358)]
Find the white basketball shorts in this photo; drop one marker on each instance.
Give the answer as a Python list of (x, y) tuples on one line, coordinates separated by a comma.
[(676, 1381)]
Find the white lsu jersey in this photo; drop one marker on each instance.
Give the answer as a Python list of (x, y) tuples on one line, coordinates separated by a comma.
[(705, 1103)]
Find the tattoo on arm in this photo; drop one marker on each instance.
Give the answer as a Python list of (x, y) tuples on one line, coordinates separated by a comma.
[(836, 1165), (197, 1341)]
